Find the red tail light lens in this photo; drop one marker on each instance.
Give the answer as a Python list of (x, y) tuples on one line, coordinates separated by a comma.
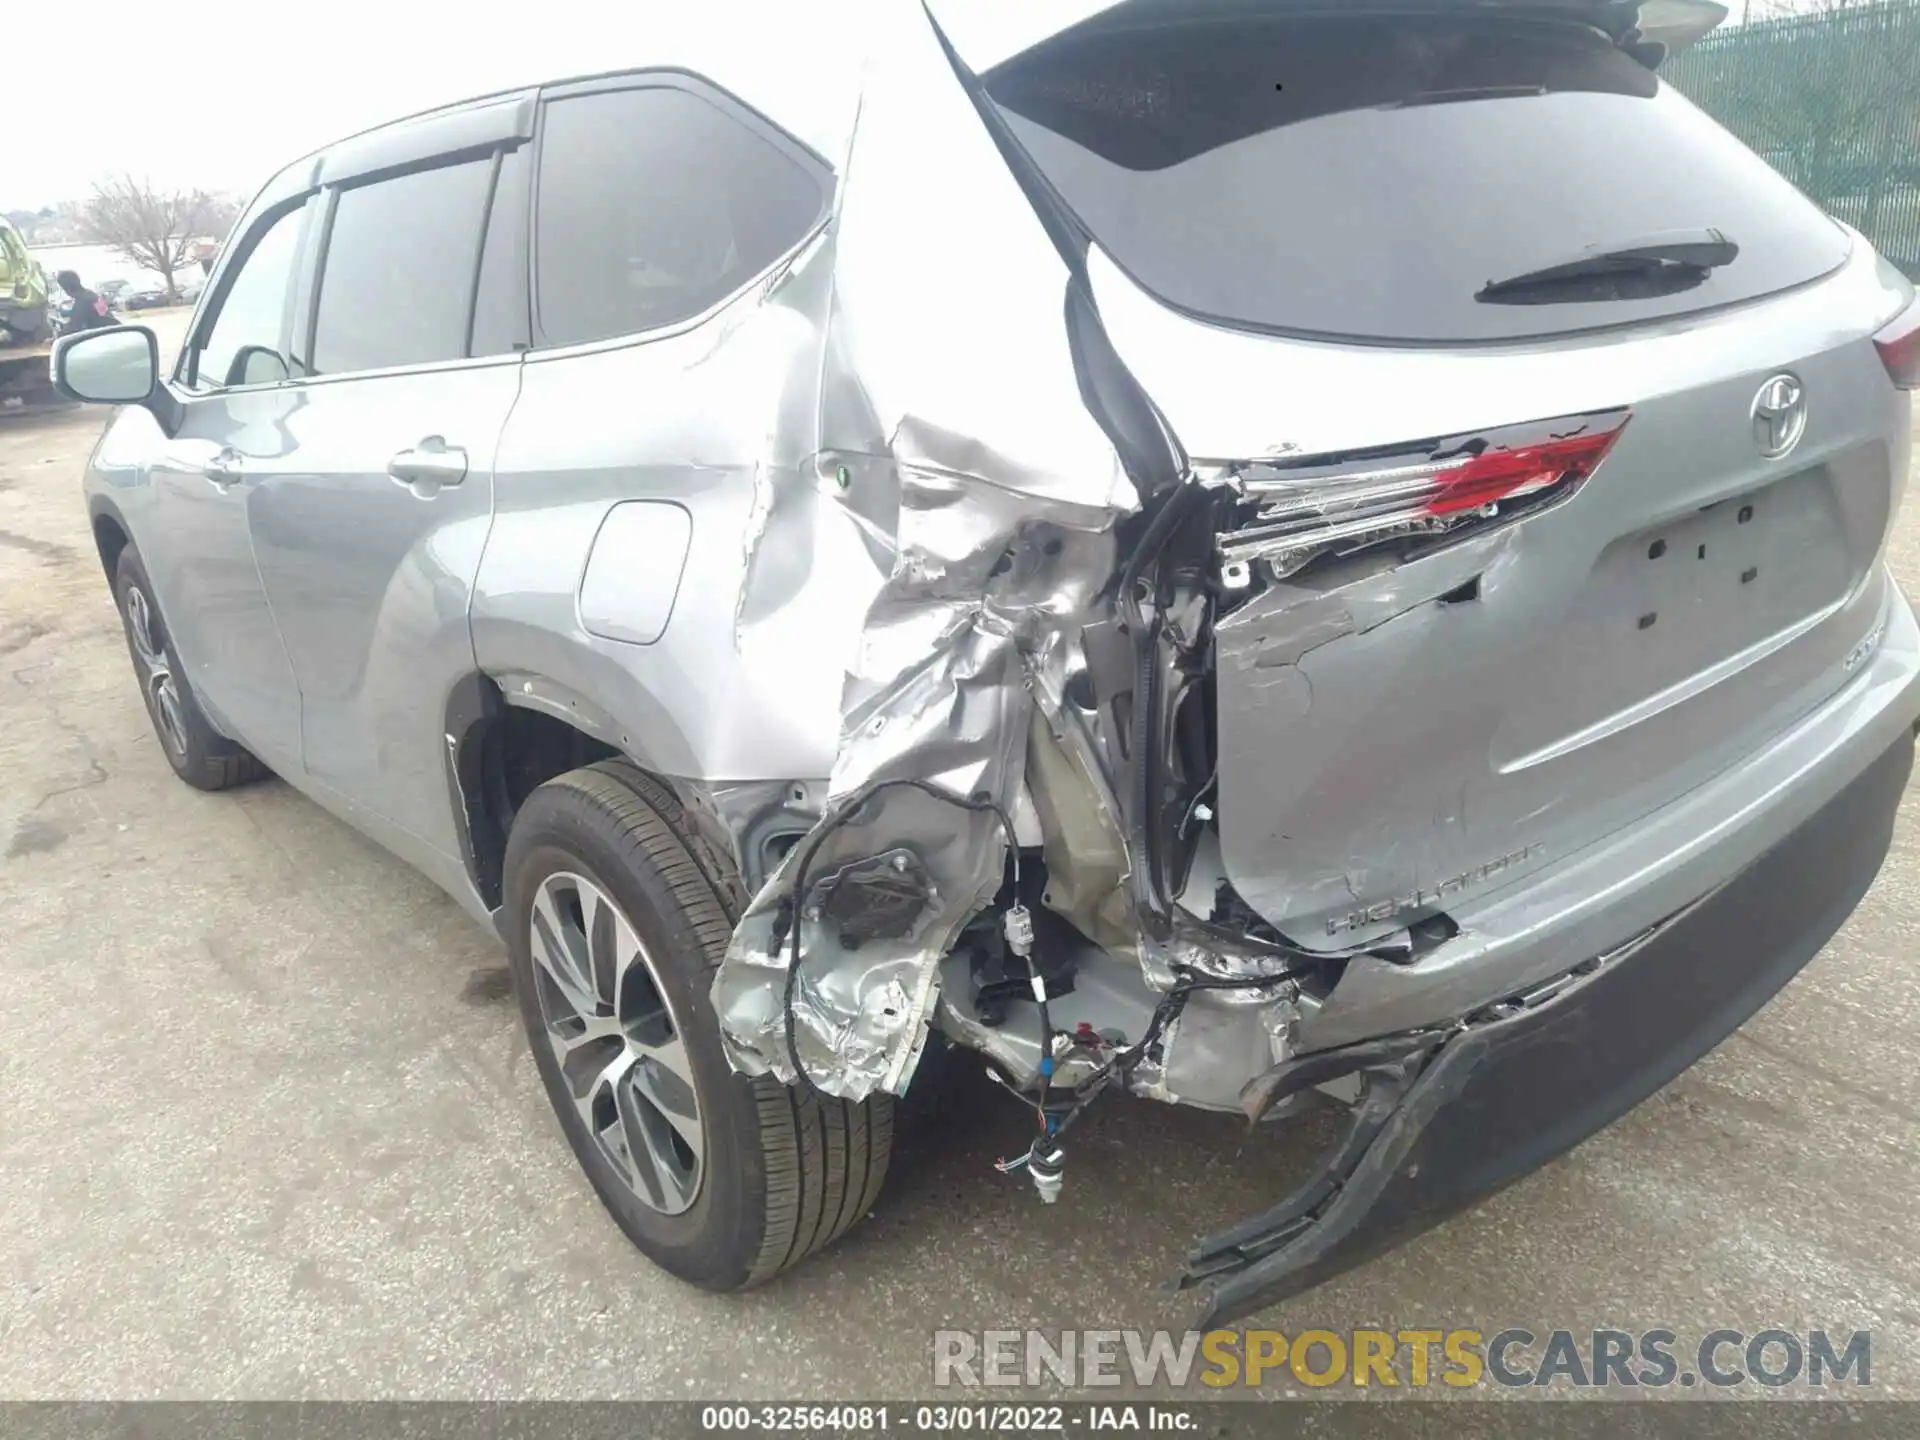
[(1899, 347), (1297, 511), (1508, 474)]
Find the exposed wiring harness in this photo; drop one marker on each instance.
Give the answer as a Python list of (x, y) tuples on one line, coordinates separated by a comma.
[(1045, 1160), (1019, 930), (792, 914), (1124, 1061)]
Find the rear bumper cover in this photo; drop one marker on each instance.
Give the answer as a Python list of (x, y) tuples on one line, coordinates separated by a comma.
[(1587, 902), (1451, 1116)]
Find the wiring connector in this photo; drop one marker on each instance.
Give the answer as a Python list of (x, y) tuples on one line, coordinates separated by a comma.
[(1018, 924)]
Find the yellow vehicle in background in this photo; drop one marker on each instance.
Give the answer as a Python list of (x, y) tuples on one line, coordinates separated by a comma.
[(23, 292), (27, 326)]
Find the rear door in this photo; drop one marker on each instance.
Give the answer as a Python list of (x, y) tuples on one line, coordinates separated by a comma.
[(370, 530), (661, 203), (1309, 223)]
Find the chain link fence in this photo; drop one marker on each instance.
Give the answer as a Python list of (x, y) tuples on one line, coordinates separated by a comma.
[(1831, 99)]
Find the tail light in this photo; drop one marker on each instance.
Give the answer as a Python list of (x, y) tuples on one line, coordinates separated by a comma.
[(1293, 512), (1899, 347)]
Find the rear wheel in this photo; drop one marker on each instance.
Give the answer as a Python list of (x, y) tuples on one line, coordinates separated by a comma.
[(199, 754), (614, 929)]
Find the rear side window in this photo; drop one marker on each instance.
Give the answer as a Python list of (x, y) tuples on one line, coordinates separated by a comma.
[(243, 345), (652, 205), (399, 268), (1370, 176)]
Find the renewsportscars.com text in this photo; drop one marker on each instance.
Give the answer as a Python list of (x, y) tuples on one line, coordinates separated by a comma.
[(1413, 1359)]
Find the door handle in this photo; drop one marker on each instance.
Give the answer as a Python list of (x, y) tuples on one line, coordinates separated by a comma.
[(431, 462), (224, 469)]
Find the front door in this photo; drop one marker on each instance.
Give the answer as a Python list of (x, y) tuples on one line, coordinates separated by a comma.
[(207, 478)]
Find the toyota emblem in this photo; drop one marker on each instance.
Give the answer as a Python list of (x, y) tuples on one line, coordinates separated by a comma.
[(1779, 415)]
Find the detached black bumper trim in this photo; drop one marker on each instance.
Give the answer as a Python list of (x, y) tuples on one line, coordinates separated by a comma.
[(1441, 1129)]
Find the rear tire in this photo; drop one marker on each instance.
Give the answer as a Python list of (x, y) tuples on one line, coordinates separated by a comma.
[(199, 754), (752, 1176)]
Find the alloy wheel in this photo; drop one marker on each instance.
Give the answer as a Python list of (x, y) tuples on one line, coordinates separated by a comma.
[(617, 1040), (156, 673)]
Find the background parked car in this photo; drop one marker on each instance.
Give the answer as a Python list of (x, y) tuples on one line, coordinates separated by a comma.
[(145, 295)]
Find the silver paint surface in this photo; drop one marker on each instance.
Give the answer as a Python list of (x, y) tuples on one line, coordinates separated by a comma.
[(633, 571)]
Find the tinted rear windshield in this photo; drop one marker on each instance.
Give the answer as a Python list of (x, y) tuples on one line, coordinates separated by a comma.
[(1368, 177)]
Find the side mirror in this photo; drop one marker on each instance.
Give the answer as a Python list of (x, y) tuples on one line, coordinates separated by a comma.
[(116, 366), (258, 365)]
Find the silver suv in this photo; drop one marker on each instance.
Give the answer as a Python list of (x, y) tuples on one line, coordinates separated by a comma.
[(1227, 552)]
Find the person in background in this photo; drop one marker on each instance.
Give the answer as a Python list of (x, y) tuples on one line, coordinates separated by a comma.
[(90, 311)]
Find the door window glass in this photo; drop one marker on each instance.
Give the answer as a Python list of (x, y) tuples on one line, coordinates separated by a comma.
[(398, 277), (245, 344)]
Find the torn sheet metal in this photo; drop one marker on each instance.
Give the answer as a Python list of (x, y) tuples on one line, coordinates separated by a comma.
[(954, 440)]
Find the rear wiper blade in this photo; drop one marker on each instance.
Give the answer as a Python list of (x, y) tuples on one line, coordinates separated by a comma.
[(1683, 257)]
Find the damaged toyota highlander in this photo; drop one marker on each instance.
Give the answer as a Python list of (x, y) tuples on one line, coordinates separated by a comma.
[(1210, 550)]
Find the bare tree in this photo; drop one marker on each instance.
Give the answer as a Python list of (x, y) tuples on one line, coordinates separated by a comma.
[(155, 229)]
